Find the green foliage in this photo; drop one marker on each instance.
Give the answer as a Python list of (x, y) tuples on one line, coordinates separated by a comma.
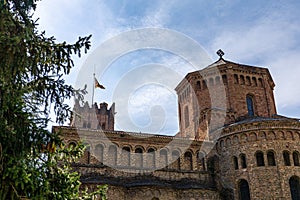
[(34, 163)]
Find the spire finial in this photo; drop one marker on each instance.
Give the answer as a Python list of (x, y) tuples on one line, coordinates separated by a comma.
[(220, 53)]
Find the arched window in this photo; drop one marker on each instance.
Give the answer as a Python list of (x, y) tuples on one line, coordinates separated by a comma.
[(242, 79), (198, 85), (138, 157), (89, 125), (99, 152), (201, 159), (236, 79), (211, 82), (84, 125), (260, 158), (186, 117), (163, 158), (296, 158), (243, 161), (294, 187), (260, 82), (125, 156), (254, 81), (235, 162), (271, 158), (224, 79), (112, 155), (286, 158), (87, 153), (204, 84), (176, 160), (188, 160), (248, 80), (244, 190), (250, 107), (151, 157), (218, 81)]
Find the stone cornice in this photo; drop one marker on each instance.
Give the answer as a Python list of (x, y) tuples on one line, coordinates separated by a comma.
[(117, 135), (259, 126)]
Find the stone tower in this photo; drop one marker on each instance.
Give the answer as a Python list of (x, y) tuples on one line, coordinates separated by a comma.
[(257, 151), (232, 143), (223, 93), (93, 117)]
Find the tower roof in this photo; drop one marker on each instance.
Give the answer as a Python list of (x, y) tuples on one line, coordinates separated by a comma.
[(223, 65)]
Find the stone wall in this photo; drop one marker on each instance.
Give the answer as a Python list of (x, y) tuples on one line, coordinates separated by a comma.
[(158, 193), (139, 151), (270, 138), (257, 152), (133, 164)]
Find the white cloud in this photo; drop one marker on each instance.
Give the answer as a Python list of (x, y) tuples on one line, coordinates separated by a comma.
[(286, 70), (271, 39), (263, 41), (150, 107), (159, 16), (271, 42)]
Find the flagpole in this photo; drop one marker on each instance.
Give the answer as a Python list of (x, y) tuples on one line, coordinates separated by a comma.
[(93, 87), (96, 84)]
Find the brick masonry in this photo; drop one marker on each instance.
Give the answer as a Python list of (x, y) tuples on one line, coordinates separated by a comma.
[(224, 141)]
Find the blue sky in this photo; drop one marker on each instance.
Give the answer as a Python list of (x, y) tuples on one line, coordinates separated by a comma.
[(261, 33)]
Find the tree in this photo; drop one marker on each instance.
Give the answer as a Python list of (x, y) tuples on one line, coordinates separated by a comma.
[(34, 163)]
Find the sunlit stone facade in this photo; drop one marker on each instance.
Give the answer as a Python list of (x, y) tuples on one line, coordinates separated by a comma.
[(232, 143)]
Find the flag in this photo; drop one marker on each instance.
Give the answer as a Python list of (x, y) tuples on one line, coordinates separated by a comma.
[(98, 85)]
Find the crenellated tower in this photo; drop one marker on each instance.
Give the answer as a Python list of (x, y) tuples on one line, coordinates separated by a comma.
[(95, 117), (232, 143)]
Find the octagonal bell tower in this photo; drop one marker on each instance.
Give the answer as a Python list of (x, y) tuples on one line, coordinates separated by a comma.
[(223, 93)]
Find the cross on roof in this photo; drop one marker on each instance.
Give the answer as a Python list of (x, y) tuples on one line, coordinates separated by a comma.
[(220, 53)]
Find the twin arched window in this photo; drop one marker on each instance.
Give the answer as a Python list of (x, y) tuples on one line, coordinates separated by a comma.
[(243, 161), (272, 161), (286, 158), (270, 158)]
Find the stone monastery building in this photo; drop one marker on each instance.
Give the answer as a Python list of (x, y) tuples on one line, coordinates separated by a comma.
[(232, 144)]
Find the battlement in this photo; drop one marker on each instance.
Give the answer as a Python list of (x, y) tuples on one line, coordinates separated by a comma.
[(95, 117)]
